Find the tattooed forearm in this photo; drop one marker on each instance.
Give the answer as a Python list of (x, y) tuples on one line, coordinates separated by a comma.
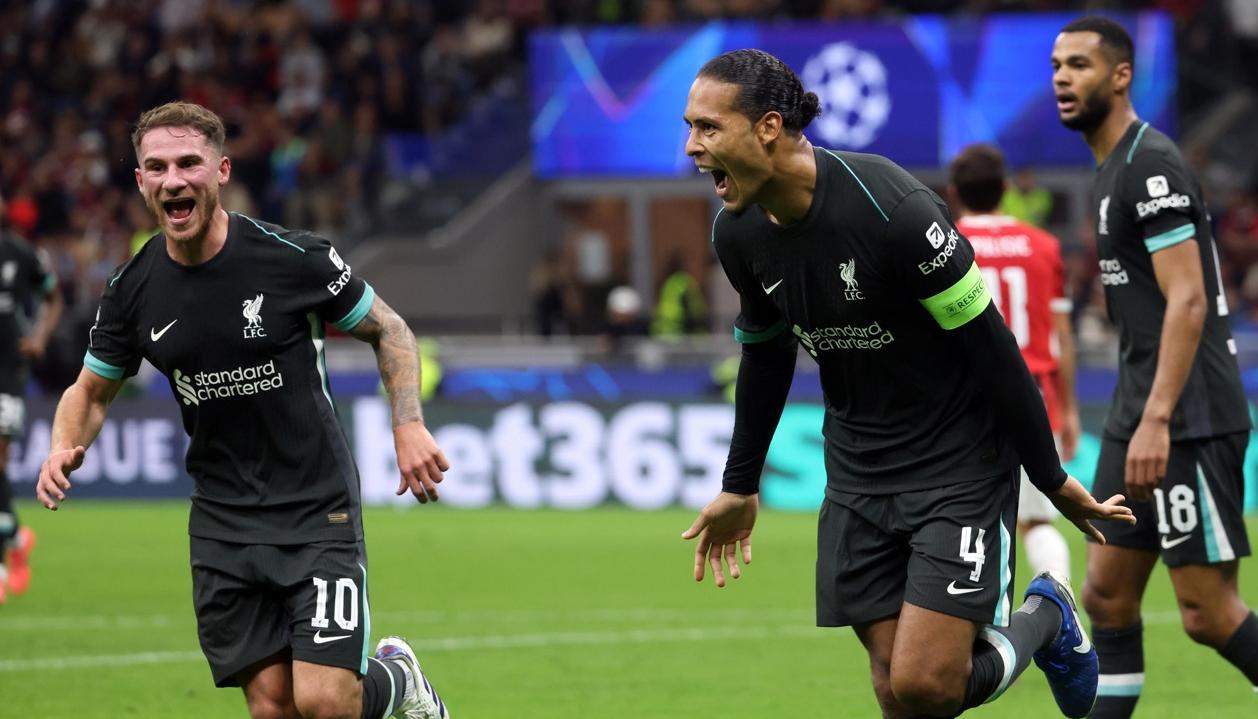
[(397, 357)]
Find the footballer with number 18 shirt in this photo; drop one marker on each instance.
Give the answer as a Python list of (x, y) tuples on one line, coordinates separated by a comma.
[(1178, 426)]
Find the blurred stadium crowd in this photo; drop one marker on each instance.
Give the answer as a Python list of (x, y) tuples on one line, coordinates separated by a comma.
[(311, 90)]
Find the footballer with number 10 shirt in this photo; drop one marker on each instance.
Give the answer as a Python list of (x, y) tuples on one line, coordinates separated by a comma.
[(232, 311)]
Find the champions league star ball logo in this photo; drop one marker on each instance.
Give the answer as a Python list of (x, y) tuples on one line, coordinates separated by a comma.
[(852, 86)]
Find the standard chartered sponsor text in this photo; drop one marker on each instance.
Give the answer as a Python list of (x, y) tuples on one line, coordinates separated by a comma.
[(238, 382), (844, 337), (1112, 272)]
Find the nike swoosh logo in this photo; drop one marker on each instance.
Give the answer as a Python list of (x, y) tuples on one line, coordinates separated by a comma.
[(1085, 646), (954, 589), (769, 290), (320, 639), (1175, 542), (155, 335)]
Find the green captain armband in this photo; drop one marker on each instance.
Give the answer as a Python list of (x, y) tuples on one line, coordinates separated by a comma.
[(961, 302)]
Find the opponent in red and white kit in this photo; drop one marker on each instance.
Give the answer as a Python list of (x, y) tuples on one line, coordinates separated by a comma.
[(1022, 268)]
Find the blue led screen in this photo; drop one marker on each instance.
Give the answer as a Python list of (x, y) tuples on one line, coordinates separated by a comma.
[(609, 101)]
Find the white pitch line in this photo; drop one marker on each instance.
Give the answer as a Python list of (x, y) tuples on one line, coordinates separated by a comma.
[(455, 644), (499, 616), (641, 615)]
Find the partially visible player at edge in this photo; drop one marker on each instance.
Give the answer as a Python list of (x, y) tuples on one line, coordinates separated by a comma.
[(1178, 425), (929, 407), (25, 275), (232, 311), (1022, 269)]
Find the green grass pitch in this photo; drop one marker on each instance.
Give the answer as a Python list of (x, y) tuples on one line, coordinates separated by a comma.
[(515, 615)]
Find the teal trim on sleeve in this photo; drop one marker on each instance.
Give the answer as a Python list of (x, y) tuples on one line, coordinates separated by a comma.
[(104, 369), (1139, 134), (761, 336), (869, 194), (272, 234), (50, 284), (1170, 238), (356, 315)]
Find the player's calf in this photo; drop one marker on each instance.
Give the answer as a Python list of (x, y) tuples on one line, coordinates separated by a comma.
[(933, 694), (268, 708), (325, 692)]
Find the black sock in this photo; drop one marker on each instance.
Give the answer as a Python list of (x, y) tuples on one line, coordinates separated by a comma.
[(383, 686), (1121, 653), (1002, 653), (8, 517), (1242, 649)]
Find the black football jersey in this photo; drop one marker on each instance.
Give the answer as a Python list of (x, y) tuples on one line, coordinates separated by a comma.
[(240, 339), (870, 281), (1147, 200)]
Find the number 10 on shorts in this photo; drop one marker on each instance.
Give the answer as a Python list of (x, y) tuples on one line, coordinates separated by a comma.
[(346, 609), (976, 555)]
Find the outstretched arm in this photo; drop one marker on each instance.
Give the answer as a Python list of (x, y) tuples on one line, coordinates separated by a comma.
[(420, 461), (724, 526), (79, 417)]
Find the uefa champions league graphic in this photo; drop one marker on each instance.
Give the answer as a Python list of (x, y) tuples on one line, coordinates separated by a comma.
[(852, 86)]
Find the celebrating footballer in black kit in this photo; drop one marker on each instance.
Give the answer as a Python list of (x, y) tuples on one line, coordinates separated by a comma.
[(1177, 429), (929, 406), (232, 311), (27, 283)]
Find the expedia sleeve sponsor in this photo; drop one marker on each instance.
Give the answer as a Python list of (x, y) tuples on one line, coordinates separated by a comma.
[(334, 291), (926, 249), (1162, 196)]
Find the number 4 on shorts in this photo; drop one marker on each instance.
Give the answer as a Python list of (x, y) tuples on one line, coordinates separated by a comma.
[(976, 555)]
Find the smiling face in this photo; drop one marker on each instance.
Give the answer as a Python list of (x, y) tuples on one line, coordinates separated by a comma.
[(1085, 80), (179, 175), (725, 143)]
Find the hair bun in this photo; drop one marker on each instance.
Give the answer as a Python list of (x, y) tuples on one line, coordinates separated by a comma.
[(809, 107)]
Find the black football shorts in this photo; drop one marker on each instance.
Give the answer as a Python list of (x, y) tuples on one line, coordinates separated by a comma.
[(948, 549), (1197, 514), (306, 601)]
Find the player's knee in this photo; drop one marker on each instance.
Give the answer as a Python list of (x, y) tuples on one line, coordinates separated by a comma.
[(1108, 608), (271, 708), (330, 703), (929, 693), (1202, 625)]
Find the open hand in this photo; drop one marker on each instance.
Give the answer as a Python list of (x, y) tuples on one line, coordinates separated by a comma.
[(54, 475), (723, 527), (1079, 506), (420, 462)]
